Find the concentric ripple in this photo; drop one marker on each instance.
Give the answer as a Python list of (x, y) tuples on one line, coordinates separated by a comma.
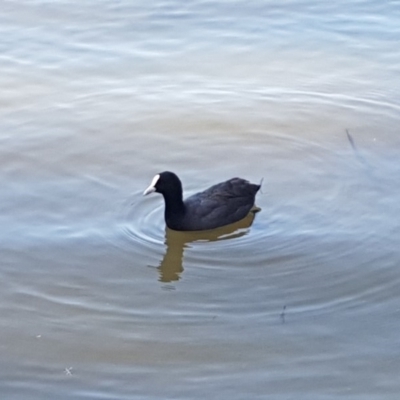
[(321, 230), (145, 232)]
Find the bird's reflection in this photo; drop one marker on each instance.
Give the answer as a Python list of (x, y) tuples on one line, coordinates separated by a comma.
[(171, 266)]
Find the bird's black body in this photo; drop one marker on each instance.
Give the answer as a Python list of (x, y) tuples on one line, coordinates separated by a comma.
[(222, 204)]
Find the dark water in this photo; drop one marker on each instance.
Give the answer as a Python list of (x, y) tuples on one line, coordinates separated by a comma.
[(99, 300)]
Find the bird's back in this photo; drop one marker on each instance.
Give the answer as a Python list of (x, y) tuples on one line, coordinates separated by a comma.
[(222, 204)]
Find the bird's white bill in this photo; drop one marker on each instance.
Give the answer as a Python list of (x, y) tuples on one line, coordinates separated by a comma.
[(149, 190), (152, 187)]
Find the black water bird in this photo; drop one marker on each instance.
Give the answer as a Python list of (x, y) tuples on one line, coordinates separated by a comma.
[(222, 204)]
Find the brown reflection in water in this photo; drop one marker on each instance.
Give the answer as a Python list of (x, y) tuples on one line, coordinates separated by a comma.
[(171, 265)]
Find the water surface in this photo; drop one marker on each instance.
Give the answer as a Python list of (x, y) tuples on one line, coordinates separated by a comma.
[(99, 300)]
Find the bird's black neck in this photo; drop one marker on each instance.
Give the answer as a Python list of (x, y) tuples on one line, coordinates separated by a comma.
[(173, 204)]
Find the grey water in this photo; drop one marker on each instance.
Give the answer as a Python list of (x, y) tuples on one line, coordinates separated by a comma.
[(99, 300)]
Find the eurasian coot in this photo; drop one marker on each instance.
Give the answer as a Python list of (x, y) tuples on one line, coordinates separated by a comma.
[(219, 205)]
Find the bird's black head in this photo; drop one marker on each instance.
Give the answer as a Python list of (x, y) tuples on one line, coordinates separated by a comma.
[(166, 183)]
